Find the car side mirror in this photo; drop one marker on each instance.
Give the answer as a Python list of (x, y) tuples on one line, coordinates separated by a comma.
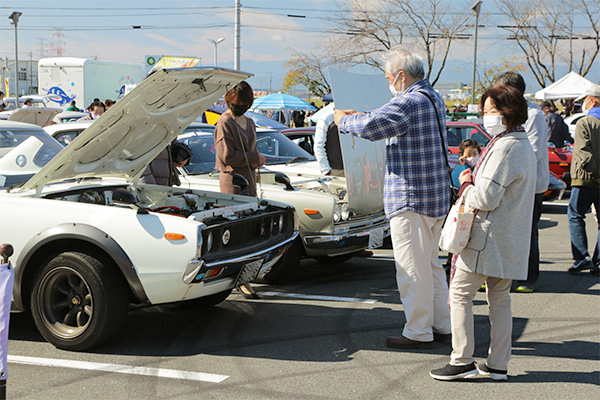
[(282, 178)]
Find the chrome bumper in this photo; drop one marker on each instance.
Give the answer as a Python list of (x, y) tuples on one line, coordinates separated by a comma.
[(196, 270), (350, 241)]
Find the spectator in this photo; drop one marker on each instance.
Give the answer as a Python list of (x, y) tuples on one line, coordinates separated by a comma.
[(109, 103), (298, 117), (236, 151), (96, 111), (73, 107), (558, 131), (27, 103), (585, 182), (2, 104), (328, 150), (468, 155), (162, 170), (502, 191), (416, 193), (537, 132)]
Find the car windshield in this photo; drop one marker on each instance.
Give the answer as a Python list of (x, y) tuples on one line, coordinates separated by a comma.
[(276, 148)]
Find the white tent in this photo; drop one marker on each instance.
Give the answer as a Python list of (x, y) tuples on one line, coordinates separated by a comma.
[(571, 85)]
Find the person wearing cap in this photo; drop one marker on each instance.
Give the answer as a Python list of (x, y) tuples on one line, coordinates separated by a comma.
[(585, 182), (558, 131)]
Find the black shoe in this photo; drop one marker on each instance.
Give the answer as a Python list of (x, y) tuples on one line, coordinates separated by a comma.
[(581, 266), (495, 374), (442, 338), (595, 270), (452, 372)]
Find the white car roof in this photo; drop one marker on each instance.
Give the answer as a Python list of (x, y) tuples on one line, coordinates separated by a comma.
[(17, 125)]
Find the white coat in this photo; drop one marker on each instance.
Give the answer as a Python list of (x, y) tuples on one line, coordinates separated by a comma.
[(503, 193)]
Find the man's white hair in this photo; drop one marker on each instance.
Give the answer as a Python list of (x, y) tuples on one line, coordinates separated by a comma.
[(399, 59)]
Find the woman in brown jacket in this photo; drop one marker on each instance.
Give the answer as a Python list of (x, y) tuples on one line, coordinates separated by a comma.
[(235, 141)]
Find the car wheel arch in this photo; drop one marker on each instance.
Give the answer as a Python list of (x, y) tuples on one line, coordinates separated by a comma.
[(70, 237)]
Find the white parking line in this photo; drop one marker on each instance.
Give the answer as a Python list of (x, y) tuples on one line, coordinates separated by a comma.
[(317, 297), (116, 368)]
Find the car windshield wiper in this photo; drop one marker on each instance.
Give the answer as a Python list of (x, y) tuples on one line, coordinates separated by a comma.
[(296, 159)]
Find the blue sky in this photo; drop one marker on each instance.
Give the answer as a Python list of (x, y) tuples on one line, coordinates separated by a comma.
[(183, 27)]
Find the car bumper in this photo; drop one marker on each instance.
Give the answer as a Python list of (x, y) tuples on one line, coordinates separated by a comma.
[(200, 271), (342, 243)]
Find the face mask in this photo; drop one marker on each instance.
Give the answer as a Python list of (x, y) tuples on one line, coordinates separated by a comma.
[(95, 116), (393, 88), (583, 109), (493, 124), (472, 161), (239, 109)]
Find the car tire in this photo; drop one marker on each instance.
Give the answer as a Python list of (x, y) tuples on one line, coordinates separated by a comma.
[(335, 259), (284, 269), (79, 301)]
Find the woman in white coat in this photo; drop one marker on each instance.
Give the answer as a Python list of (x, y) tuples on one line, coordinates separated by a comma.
[(502, 191)]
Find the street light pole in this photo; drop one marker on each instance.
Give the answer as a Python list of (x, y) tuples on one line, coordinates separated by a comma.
[(15, 21), (476, 9), (216, 42), (237, 37)]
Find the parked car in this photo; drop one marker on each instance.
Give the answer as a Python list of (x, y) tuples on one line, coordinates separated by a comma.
[(571, 122), (329, 231), (89, 239), (38, 100), (24, 150), (457, 131), (556, 188)]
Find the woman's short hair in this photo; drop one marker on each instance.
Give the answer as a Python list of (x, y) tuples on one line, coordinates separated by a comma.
[(400, 59), (510, 102), (240, 94), (466, 144)]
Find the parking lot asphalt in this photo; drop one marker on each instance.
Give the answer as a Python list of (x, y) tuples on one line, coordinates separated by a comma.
[(323, 337)]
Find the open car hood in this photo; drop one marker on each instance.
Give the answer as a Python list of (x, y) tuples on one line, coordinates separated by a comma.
[(138, 127), (39, 116)]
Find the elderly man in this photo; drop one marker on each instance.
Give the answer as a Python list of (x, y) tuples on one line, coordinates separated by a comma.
[(416, 193), (537, 133), (585, 182)]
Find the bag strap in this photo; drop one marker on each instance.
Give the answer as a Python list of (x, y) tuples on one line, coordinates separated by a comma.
[(246, 157), (444, 148)]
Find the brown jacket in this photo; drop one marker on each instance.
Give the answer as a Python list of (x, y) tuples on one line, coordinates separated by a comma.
[(236, 152), (585, 164)]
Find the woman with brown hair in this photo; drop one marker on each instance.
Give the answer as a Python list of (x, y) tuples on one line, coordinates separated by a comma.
[(502, 191), (235, 142)]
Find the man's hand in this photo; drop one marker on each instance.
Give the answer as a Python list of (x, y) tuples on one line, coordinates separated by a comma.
[(339, 114), (465, 176)]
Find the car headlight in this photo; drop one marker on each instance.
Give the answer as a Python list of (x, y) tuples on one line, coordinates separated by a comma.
[(337, 213), (209, 241), (345, 215), (281, 223), (226, 237)]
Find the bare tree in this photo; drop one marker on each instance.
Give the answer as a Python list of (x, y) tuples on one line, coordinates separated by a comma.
[(371, 28), (547, 34), (309, 70)]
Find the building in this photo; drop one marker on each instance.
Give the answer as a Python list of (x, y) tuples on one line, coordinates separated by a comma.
[(27, 74)]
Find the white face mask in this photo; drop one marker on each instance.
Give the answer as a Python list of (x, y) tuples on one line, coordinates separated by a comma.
[(472, 161), (493, 124), (393, 87), (583, 109)]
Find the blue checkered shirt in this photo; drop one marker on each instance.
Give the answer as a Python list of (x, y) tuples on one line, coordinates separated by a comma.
[(416, 176)]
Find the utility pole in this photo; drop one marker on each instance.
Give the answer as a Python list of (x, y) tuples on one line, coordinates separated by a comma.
[(476, 9), (14, 17), (30, 74), (236, 40)]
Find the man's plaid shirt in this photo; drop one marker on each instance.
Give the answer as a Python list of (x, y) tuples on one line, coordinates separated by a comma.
[(416, 177)]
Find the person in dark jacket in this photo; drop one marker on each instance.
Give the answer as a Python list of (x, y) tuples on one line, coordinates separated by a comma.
[(558, 131), (162, 170), (585, 182)]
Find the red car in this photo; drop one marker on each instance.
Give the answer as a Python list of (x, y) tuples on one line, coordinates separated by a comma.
[(559, 159)]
